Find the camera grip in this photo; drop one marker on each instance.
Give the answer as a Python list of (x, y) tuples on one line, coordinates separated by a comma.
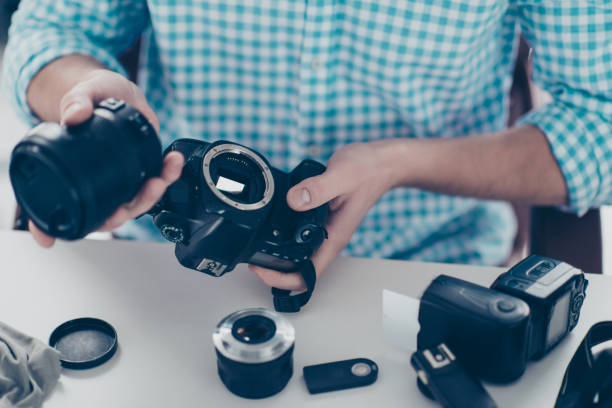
[(306, 169)]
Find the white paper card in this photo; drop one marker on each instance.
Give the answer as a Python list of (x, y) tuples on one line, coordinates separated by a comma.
[(400, 319)]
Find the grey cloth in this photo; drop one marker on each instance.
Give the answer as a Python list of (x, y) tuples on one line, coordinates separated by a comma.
[(29, 369)]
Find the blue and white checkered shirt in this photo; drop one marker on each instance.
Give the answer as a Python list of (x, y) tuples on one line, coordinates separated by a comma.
[(295, 79)]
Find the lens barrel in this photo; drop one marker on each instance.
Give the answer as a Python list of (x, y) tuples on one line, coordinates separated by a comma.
[(70, 179), (254, 350)]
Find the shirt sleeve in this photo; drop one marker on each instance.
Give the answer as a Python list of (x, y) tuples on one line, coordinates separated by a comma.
[(44, 30), (572, 60)]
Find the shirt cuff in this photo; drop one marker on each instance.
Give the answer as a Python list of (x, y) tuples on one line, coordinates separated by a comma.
[(572, 136), (38, 58)]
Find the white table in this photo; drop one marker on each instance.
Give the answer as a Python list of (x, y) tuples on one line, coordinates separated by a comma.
[(165, 314)]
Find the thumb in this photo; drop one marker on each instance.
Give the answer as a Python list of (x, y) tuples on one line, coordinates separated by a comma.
[(316, 191), (76, 106)]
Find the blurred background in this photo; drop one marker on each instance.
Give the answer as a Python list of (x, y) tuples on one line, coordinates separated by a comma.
[(584, 242), (11, 127)]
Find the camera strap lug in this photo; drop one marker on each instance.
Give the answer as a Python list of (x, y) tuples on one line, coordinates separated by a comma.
[(285, 302)]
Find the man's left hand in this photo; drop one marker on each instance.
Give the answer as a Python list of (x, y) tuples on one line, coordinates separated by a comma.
[(357, 176)]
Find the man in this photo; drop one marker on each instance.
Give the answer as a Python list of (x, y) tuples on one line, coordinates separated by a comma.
[(407, 100)]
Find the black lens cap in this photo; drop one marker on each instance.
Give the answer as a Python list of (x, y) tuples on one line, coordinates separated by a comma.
[(84, 343)]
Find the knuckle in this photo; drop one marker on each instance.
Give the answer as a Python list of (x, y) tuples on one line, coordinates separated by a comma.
[(97, 74), (79, 91)]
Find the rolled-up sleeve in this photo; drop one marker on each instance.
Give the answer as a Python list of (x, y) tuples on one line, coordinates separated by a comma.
[(44, 30), (572, 60)]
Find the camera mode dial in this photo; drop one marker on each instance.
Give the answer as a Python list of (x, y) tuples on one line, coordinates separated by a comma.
[(577, 303), (173, 233)]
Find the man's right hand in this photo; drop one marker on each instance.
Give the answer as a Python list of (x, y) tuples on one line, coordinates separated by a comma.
[(77, 105)]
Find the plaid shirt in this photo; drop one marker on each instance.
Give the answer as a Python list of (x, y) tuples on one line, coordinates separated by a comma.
[(295, 79)]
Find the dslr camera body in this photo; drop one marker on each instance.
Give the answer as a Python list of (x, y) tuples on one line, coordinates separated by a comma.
[(229, 206)]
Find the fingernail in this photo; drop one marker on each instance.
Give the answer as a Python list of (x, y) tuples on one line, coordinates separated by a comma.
[(72, 108), (305, 196), (299, 198)]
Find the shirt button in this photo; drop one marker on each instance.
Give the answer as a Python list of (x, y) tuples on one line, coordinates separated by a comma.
[(314, 150), (316, 63)]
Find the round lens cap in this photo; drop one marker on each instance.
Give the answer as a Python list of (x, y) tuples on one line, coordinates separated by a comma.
[(84, 343)]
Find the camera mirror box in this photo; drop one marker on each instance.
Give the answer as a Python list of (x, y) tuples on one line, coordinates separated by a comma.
[(229, 185)]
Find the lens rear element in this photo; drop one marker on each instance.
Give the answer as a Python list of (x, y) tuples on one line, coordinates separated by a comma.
[(254, 329)]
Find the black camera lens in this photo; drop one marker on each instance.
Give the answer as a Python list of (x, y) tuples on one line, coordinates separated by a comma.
[(254, 352), (70, 179)]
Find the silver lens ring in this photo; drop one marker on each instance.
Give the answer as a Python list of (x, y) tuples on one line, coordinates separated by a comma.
[(240, 150), (271, 349)]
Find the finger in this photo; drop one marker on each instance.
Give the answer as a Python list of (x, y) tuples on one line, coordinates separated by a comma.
[(318, 190), (149, 195), (137, 99), (288, 281), (341, 226), (40, 237), (117, 219), (173, 166), (77, 105), (154, 188)]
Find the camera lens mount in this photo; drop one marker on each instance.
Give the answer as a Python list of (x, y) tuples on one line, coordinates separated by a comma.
[(254, 352), (249, 184)]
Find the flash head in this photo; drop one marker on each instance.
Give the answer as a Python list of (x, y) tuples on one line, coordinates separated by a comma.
[(554, 291)]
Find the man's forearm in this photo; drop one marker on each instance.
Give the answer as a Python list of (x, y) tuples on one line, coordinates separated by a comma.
[(513, 165), (53, 81)]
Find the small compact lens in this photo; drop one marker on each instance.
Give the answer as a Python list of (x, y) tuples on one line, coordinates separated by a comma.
[(70, 179), (254, 352)]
